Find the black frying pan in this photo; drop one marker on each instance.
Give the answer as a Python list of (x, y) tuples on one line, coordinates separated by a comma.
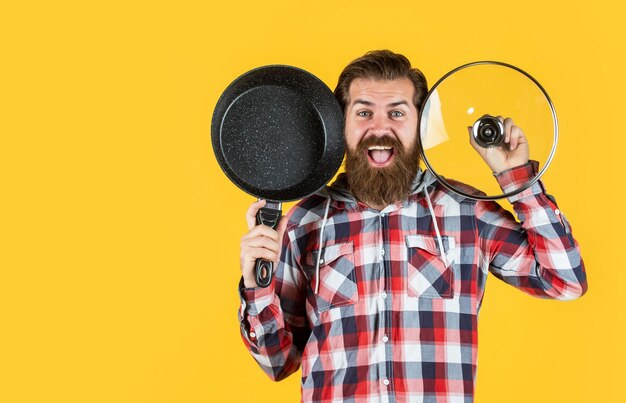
[(277, 133)]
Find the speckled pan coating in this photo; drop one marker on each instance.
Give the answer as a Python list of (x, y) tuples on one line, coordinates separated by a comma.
[(277, 133)]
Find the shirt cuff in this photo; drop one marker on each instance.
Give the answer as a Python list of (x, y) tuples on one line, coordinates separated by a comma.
[(514, 178), (256, 299)]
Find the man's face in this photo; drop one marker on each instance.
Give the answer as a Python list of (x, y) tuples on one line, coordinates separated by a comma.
[(377, 109), (381, 139)]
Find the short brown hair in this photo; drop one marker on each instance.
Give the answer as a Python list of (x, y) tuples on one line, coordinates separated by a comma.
[(381, 65)]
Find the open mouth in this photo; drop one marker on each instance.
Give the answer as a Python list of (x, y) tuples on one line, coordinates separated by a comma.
[(380, 156)]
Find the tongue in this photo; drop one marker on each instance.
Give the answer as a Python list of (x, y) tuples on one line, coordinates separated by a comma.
[(380, 156)]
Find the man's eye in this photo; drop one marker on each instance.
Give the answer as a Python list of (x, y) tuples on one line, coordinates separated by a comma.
[(397, 114), (363, 114)]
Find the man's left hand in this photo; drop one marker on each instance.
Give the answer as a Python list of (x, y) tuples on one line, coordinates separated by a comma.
[(511, 153)]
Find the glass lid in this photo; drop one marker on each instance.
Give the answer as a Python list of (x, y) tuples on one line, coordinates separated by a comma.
[(469, 112)]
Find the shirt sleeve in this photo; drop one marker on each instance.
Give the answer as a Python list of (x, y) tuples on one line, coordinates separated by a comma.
[(273, 320), (538, 254)]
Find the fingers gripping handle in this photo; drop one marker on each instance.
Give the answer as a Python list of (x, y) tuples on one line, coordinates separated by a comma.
[(270, 216)]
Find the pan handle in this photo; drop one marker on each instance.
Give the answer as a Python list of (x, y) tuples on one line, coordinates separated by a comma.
[(268, 215)]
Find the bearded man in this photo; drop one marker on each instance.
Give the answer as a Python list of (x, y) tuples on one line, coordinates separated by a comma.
[(380, 277)]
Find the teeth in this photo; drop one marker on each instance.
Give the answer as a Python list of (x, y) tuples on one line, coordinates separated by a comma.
[(379, 148)]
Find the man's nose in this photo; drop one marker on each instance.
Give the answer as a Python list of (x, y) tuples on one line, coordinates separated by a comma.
[(380, 125)]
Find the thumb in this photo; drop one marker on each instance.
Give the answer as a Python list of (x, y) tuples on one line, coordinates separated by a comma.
[(473, 140), (251, 213)]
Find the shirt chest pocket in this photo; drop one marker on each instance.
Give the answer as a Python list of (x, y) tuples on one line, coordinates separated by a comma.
[(337, 282), (429, 276)]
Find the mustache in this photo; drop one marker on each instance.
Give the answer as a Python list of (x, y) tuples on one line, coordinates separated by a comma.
[(383, 141)]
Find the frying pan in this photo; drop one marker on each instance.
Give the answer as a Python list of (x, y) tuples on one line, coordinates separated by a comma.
[(277, 133)]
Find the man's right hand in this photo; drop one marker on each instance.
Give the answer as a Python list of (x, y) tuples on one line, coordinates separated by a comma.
[(260, 242)]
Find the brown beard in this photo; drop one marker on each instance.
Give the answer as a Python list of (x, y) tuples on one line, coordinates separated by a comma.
[(381, 186)]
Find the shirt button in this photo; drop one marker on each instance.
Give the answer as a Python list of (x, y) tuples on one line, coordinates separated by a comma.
[(322, 261), (386, 382), (385, 339), (382, 252), (252, 335), (384, 295), (557, 211)]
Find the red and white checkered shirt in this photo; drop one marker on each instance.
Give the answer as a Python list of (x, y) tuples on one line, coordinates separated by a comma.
[(394, 318)]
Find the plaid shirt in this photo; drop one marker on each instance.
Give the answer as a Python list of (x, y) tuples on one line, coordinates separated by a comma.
[(392, 320)]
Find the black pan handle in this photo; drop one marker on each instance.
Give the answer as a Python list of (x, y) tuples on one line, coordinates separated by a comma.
[(270, 216)]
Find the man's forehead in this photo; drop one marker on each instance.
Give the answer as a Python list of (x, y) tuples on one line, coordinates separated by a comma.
[(375, 91)]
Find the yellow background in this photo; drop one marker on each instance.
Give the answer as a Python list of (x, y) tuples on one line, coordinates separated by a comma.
[(120, 234)]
